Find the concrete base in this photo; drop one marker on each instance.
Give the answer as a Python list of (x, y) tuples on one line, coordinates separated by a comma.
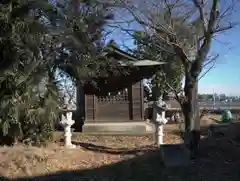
[(175, 155), (124, 128)]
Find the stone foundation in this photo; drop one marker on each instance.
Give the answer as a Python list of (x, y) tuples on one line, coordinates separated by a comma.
[(124, 128)]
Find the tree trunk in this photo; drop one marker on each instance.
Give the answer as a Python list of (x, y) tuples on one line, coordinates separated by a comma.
[(191, 115)]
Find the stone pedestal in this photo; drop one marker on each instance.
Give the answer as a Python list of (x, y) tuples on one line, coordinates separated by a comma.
[(66, 123), (160, 134), (159, 120)]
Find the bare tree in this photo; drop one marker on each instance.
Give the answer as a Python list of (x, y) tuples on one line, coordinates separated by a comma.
[(188, 27)]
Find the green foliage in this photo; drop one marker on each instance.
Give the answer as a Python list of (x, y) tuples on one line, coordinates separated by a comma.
[(82, 46), (39, 114), (171, 73), (23, 114), (36, 39), (30, 117)]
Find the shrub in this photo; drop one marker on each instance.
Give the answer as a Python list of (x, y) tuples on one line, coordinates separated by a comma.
[(29, 118)]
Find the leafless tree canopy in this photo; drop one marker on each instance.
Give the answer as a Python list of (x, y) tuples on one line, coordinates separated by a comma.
[(189, 28)]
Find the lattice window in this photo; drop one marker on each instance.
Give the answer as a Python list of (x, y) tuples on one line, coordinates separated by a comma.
[(113, 97)]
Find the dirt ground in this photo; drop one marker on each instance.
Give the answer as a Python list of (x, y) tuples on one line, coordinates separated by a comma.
[(92, 152), (115, 158)]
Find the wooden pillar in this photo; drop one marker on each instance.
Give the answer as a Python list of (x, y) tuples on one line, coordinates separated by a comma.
[(79, 114), (130, 103), (80, 102), (137, 102), (90, 108)]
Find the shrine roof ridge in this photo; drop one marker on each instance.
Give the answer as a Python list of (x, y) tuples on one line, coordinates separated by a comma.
[(132, 60)]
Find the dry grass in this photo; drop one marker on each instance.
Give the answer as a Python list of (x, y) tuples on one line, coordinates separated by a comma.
[(205, 122), (115, 158), (94, 152), (210, 119)]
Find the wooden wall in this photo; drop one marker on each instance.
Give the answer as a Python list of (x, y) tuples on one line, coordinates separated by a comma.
[(90, 107), (125, 107), (137, 101)]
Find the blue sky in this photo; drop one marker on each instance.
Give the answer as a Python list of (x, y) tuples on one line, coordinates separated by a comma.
[(225, 76)]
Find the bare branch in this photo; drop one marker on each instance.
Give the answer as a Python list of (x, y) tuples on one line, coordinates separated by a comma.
[(225, 28), (176, 93), (208, 35), (159, 28), (226, 12), (163, 32), (210, 68), (201, 8), (179, 98), (213, 61)]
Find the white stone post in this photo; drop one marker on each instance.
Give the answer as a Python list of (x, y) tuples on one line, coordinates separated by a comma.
[(160, 120), (66, 123), (160, 134)]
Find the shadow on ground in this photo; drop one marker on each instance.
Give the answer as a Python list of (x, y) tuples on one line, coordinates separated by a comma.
[(218, 160), (109, 150)]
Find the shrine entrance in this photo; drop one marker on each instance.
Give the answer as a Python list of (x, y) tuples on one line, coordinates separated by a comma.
[(115, 105), (117, 98), (125, 105)]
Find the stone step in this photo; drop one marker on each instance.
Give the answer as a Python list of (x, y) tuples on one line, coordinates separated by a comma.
[(175, 155), (124, 128)]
